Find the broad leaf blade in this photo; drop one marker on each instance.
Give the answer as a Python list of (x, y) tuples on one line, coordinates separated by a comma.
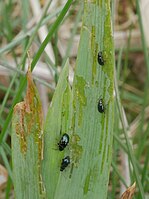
[(90, 165), (58, 122), (27, 133)]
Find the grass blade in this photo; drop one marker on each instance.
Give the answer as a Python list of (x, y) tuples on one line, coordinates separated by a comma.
[(27, 133), (57, 123), (89, 172), (91, 137)]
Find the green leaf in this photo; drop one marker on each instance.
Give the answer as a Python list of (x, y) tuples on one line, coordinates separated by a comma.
[(27, 135), (58, 122), (90, 173), (91, 132)]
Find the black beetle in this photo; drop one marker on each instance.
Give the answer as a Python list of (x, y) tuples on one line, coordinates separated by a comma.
[(63, 142), (100, 58), (65, 162), (101, 107)]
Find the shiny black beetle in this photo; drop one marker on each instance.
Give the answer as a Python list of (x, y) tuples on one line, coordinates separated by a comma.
[(101, 107), (100, 58), (63, 142), (65, 162)]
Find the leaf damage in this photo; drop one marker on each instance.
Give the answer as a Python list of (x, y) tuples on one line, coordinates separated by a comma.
[(29, 117)]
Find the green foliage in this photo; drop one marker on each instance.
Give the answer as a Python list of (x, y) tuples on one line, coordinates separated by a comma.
[(58, 121), (91, 135), (73, 110), (27, 135)]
